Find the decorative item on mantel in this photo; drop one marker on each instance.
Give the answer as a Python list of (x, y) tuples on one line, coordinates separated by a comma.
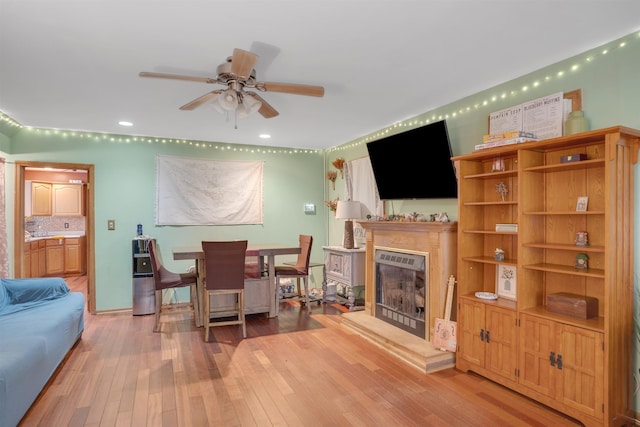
[(339, 164), (498, 254), (331, 176), (501, 189)]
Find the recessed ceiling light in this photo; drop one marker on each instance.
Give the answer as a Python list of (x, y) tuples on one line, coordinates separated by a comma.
[(125, 123), (265, 136)]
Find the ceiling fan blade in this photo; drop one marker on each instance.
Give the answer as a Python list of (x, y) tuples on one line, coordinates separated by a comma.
[(178, 77), (242, 63), (266, 110), (201, 100), (296, 89)]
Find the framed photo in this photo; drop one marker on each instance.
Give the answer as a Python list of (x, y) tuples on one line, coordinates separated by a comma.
[(506, 281), (581, 206)]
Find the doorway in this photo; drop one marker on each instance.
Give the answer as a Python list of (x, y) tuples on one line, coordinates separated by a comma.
[(19, 220)]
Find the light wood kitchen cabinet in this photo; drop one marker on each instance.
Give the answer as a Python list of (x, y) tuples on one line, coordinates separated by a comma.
[(42, 259), (35, 259), (61, 199), (41, 198), (579, 366), (74, 255), (55, 257), (67, 199), (26, 265)]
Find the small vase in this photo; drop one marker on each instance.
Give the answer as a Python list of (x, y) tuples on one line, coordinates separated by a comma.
[(576, 123)]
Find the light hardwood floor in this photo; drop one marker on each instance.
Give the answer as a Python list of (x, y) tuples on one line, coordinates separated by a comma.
[(300, 369)]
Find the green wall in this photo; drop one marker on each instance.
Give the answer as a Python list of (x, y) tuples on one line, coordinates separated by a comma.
[(124, 189)]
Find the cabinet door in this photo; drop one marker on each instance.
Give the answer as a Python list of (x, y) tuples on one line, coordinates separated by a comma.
[(67, 199), (42, 258), (35, 259), (26, 266), (55, 260), (72, 258), (536, 347), (471, 329), (581, 376), (41, 198), (501, 338)]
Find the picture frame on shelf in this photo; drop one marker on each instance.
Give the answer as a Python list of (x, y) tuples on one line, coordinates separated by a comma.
[(581, 205), (506, 281)]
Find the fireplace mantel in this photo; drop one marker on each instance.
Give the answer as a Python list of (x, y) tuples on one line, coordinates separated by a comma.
[(439, 239)]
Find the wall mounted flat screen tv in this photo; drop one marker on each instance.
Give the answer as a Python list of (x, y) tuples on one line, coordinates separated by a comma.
[(415, 164)]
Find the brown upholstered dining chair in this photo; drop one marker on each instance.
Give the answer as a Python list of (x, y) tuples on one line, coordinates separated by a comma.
[(225, 269), (165, 279), (300, 270)]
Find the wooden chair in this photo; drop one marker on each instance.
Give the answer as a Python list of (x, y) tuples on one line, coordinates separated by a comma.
[(225, 269), (165, 279), (301, 268)]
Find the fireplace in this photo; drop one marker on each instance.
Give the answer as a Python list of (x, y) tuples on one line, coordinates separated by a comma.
[(430, 247), (402, 297)]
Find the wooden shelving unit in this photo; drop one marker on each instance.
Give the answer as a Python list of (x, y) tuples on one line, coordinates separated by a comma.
[(581, 367)]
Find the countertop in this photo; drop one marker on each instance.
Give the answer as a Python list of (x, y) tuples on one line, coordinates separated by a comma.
[(56, 235)]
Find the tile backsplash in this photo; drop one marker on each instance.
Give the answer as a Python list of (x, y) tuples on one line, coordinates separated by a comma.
[(47, 224)]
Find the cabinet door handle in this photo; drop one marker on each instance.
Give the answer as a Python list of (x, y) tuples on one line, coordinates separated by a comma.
[(488, 337), (481, 334), (559, 361), (552, 359)]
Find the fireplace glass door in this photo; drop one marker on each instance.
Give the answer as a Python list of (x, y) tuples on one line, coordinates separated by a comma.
[(402, 290)]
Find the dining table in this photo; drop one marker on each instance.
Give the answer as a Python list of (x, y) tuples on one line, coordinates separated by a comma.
[(266, 252)]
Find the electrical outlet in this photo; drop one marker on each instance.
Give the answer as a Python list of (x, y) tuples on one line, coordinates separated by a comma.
[(66, 225), (111, 224)]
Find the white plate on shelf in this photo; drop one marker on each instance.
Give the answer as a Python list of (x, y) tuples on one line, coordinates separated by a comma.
[(486, 295)]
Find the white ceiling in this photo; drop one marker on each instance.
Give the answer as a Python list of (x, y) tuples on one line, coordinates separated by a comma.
[(74, 64)]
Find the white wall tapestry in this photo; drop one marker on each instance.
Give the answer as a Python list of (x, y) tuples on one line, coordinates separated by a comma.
[(192, 191)]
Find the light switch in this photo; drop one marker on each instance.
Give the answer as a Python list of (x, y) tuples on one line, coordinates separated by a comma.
[(111, 224)]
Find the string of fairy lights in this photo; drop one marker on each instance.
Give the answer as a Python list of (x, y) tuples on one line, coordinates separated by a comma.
[(421, 120), (128, 139), (575, 66)]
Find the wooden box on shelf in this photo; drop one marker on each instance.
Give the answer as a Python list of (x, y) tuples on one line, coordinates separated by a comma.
[(572, 305)]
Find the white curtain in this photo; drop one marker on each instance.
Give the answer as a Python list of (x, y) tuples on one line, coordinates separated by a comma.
[(4, 250), (192, 191), (361, 186)]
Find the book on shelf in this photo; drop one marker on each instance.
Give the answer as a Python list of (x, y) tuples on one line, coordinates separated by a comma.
[(501, 142), (508, 135), (511, 228)]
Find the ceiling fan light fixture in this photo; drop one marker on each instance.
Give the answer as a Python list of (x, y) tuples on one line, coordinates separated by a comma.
[(229, 100), (249, 106)]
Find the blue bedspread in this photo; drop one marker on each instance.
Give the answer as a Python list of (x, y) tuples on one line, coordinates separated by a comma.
[(40, 321)]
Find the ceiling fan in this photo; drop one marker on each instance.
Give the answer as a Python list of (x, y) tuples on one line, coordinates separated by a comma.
[(238, 75)]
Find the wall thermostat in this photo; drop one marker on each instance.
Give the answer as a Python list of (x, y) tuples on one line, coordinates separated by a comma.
[(309, 208)]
